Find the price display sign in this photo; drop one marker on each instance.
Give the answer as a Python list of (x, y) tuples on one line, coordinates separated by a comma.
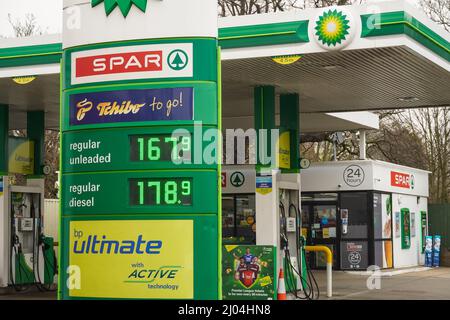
[(160, 148), (136, 192), (133, 149), (161, 192)]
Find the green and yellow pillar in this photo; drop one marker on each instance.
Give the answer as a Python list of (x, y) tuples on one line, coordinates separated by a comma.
[(4, 128)]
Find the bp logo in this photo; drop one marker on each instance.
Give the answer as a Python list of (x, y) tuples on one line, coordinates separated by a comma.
[(124, 5), (177, 60), (333, 29), (237, 179)]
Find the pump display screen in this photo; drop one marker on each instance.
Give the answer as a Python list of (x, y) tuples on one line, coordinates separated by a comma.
[(160, 192), (164, 147)]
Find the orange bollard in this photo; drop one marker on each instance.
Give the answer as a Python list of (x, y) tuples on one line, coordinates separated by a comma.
[(281, 287)]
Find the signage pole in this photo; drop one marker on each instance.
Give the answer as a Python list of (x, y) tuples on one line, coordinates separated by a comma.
[(140, 199)]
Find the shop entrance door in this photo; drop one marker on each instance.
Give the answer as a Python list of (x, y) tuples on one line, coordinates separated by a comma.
[(354, 231), (341, 222), (320, 223)]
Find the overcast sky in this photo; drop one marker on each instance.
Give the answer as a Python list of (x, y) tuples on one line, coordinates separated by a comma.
[(48, 14)]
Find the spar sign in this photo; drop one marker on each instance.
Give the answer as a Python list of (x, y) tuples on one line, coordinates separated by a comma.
[(153, 61), (402, 180)]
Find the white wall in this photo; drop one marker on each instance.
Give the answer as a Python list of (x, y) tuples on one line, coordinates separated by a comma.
[(374, 175), (407, 257), (193, 18)]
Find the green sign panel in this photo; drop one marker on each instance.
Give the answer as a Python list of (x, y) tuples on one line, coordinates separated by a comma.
[(248, 272), (137, 195), (140, 192), (405, 228), (134, 149)]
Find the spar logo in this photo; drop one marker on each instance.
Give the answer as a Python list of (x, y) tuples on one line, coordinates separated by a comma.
[(402, 180), (133, 63)]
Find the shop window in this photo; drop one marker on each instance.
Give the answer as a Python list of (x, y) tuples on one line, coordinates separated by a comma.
[(305, 221), (383, 253), (238, 219), (354, 205), (382, 220), (228, 217), (324, 222)]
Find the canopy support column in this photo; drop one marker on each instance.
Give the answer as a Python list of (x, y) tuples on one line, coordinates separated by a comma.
[(36, 132), (4, 129), (289, 120)]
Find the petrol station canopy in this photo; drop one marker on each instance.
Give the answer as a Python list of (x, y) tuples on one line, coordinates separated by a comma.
[(388, 56)]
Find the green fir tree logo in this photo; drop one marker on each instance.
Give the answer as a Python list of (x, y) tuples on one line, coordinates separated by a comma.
[(177, 60)]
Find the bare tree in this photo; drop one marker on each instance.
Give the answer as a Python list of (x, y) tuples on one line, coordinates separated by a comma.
[(246, 7), (26, 27), (51, 159), (432, 125), (438, 11), (396, 142), (417, 138)]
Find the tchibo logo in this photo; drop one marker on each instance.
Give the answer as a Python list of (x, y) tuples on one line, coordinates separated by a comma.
[(174, 60), (402, 180), (94, 244)]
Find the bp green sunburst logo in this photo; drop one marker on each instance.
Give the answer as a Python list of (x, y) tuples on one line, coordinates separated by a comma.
[(332, 28), (124, 5)]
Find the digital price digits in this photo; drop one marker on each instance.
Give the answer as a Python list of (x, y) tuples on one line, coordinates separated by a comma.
[(161, 192)]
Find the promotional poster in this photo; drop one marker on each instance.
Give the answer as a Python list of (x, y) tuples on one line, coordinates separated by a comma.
[(406, 228), (428, 251), (248, 272), (436, 250)]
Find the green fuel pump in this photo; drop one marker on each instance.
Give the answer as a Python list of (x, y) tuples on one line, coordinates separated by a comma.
[(300, 281), (32, 257)]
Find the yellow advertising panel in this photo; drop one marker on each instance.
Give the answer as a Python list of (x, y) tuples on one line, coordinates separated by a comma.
[(137, 259), (284, 150), (21, 156)]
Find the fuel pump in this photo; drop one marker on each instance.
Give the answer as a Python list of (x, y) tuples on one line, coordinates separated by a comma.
[(29, 256), (299, 279)]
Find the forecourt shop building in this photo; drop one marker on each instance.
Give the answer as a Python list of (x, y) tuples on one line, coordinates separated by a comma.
[(112, 63)]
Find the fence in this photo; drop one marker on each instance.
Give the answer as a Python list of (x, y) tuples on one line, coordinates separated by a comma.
[(438, 222)]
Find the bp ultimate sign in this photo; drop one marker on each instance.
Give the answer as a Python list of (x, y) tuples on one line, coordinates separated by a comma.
[(136, 222)]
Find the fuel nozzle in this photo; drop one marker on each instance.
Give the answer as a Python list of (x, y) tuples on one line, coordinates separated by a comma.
[(283, 240), (302, 241)]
